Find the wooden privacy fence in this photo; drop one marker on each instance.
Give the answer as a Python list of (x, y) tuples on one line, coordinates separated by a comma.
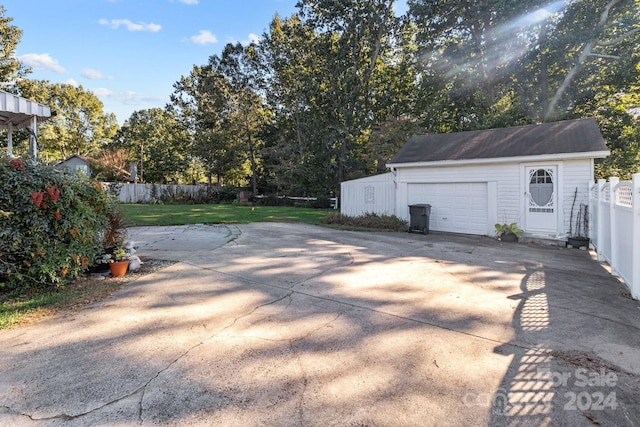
[(615, 227), (144, 193)]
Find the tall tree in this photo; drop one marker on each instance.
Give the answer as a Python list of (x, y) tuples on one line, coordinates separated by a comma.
[(467, 55), (493, 62), (199, 101), (353, 37), (222, 104), (158, 143), (80, 125), (299, 154), (598, 41), (11, 69), (243, 68)]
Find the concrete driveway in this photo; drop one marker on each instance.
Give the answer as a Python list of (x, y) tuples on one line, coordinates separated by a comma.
[(296, 325)]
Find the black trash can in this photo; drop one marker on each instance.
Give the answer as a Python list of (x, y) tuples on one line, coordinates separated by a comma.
[(419, 218)]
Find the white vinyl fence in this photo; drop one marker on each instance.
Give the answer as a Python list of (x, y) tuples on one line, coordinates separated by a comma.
[(615, 230)]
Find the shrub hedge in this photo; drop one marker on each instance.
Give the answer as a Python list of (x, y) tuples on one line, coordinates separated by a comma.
[(369, 220), (51, 224)]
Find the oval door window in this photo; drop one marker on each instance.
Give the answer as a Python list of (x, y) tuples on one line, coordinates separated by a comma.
[(541, 187)]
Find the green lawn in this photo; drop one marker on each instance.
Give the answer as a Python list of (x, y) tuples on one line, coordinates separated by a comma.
[(16, 310), (21, 308), (146, 215)]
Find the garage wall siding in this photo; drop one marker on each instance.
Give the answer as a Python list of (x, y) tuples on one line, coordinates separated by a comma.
[(577, 174), (505, 190), (503, 181), (373, 194)]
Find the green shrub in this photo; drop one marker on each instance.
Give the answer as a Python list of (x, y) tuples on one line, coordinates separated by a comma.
[(51, 224), (204, 195), (270, 200), (322, 203), (227, 195), (369, 220)]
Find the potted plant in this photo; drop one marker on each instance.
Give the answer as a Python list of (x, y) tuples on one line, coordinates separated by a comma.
[(579, 225), (116, 231), (113, 236), (508, 232), (118, 261)]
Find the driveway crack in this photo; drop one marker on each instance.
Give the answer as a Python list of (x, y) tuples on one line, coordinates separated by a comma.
[(253, 310), (305, 378), (142, 389), (67, 417)]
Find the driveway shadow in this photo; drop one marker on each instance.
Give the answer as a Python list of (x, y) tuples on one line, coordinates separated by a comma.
[(576, 352), (294, 325)]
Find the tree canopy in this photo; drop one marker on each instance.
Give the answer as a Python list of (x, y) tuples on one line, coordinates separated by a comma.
[(11, 69), (336, 88), (331, 92), (80, 125), (157, 142)]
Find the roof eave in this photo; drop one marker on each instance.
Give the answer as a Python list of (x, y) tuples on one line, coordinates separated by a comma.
[(493, 160), (18, 112)]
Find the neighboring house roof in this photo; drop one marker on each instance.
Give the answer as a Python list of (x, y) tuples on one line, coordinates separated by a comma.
[(84, 159), (570, 136)]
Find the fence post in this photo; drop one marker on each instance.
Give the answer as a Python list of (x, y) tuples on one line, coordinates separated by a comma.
[(613, 229), (634, 286), (600, 230), (592, 212)]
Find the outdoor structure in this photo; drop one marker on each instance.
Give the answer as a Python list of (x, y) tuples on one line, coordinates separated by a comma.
[(76, 164), (20, 113), (473, 180), (614, 208), (373, 194)]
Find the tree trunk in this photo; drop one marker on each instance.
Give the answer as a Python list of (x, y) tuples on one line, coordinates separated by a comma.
[(252, 156)]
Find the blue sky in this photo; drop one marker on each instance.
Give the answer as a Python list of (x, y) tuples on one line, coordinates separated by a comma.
[(131, 52)]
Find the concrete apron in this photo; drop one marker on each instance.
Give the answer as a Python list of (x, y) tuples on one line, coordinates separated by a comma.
[(291, 325)]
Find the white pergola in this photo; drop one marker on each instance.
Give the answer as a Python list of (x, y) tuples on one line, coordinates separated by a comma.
[(20, 113)]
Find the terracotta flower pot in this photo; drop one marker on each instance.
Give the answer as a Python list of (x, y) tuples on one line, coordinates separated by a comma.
[(119, 268)]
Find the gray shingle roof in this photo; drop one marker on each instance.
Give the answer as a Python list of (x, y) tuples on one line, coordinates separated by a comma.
[(569, 136)]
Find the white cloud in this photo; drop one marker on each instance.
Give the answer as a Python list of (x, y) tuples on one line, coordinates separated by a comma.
[(189, 1), (72, 82), (128, 97), (204, 37), (253, 38), (92, 74), (101, 91), (135, 98), (131, 26), (41, 61)]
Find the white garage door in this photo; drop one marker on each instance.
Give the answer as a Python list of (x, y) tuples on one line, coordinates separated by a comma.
[(455, 207)]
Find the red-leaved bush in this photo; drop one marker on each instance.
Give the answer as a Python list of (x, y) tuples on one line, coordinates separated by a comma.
[(51, 224)]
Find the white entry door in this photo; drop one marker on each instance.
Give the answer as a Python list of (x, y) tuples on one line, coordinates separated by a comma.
[(541, 191)]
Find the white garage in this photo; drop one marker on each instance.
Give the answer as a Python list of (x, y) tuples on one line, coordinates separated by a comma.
[(473, 180), (460, 207)]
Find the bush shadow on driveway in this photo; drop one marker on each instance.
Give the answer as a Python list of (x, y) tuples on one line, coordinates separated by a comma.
[(301, 325)]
